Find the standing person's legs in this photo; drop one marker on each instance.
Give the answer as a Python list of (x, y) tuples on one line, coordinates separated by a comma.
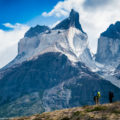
[(110, 100), (96, 101)]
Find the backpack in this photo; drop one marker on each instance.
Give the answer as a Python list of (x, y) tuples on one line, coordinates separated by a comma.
[(98, 94), (95, 93)]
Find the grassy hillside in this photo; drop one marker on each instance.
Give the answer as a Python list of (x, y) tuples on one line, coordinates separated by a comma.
[(96, 112)]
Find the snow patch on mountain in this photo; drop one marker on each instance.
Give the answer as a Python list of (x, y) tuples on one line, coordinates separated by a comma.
[(72, 42), (77, 45), (67, 37)]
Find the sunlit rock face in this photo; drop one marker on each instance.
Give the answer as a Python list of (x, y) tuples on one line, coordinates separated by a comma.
[(67, 37), (109, 44)]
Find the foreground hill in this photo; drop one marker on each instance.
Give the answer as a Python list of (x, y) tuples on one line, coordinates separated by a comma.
[(97, 112)]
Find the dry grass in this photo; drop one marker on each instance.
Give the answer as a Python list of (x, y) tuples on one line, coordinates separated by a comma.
[(97, 112)]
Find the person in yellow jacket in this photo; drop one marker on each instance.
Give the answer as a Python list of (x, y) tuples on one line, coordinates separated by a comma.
[(97, 97)]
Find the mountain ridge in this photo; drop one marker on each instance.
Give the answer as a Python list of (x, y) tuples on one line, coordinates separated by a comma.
[(34, 31), (71, 21), (71, 41), (108, 44)]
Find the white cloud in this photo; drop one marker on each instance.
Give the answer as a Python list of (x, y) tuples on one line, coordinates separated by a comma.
[(53, 25), (9, 41), (63, 8), (94, 19), (45, 14), (9, 25)]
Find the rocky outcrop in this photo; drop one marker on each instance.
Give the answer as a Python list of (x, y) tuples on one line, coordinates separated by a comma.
[(34, 31), (71, 21), (67, 38), (109, 45)]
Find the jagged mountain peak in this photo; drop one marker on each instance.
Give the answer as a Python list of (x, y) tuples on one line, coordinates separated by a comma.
[(67, 38), (73, 12), (74, 17), (109, 44), (113, 31), (117, 23), (71, 21), (33, 31)]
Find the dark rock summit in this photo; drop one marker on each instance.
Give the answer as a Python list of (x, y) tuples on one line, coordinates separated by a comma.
[(34, 31), (109, 44), (72, 20), (113, 31)]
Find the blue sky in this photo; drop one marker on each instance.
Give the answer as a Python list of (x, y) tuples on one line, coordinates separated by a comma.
[(23, 11)]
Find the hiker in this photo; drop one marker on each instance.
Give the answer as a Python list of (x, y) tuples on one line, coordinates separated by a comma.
[(97, 97), (111, 95)]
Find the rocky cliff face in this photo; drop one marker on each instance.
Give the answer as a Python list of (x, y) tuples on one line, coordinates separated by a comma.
[(67, 37), (117, 72), (109, 45), (48, 83), (108, 54), (71, 21), (34, 31)]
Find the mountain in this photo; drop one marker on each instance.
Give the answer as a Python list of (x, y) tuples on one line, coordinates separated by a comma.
[(99, 112), (67, 38), (108, 54), (48, 83), (51, 71), (117, 72), (109, 45), (72, 21), (34, 31)]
